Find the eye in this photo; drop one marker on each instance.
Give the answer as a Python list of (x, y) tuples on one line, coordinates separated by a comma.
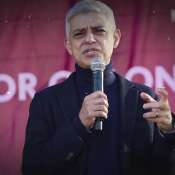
[(99, 31), (78, 34)]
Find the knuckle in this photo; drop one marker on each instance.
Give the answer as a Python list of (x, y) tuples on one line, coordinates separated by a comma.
[(107, 104), (85, 99), (102, 94), (102, 114), (103, 108), (99, 93)]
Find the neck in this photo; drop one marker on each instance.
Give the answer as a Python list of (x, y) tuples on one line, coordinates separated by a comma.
[(84, 76)]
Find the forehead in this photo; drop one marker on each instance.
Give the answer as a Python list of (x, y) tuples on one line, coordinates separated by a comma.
[(88, 20)]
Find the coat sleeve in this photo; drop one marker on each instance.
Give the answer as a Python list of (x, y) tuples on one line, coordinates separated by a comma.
[(162, 148), (49, 149)]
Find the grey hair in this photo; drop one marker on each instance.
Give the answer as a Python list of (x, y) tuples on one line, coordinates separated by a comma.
[(87, 6)]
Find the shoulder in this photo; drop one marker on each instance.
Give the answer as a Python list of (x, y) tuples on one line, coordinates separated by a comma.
[(136, 86), (54, 90), (143, 88)]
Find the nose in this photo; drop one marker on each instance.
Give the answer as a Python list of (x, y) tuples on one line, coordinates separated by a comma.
[(90, 37)]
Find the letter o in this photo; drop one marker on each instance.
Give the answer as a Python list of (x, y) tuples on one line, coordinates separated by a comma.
[(142, 71), (11, 88)]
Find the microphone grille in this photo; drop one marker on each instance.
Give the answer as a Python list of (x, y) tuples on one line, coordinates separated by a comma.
[(97, 64)]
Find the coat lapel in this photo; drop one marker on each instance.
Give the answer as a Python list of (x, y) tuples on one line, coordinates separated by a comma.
[(129, 103), (68, 98), (129, 99)]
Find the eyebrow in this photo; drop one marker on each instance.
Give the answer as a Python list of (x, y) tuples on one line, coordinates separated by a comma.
[(78, 30), (93, 27)]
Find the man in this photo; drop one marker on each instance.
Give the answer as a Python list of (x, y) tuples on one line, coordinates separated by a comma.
[(137, 136)]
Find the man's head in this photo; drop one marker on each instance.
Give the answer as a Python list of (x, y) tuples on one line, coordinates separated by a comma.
[(91, 32)]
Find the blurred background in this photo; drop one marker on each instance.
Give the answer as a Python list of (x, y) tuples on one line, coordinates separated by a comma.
[(33, 56)]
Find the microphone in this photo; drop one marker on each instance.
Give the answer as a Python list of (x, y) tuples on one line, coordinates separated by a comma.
[(97, 66)]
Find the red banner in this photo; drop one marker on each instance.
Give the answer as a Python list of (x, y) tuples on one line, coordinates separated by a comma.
[(33, 56)]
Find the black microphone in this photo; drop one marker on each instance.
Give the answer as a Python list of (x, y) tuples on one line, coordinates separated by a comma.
[(97, 67)]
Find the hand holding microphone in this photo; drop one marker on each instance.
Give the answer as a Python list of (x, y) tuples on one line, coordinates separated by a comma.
[(95, 106)]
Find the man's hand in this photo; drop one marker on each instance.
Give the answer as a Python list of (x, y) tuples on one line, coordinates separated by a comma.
[(160, 110), (94, 105)]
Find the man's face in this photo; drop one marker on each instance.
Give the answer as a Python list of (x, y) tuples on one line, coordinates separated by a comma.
[(91, 35)]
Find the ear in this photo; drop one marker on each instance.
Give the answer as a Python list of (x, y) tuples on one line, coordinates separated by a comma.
[(117, 36), (68, 46)]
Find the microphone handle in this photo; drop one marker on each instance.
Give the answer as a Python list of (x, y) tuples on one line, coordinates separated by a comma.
[(98, 86), (98, 125)]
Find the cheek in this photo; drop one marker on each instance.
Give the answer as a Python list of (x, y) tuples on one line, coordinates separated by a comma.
[(75, 48), (108, 47)]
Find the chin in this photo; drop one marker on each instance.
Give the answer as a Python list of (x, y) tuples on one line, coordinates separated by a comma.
[(85, 65)]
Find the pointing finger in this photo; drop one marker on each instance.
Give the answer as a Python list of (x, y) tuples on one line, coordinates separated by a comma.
[(147, 98), (163, 94)]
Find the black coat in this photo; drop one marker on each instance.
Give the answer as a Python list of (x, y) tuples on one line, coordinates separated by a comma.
[(53, 147)]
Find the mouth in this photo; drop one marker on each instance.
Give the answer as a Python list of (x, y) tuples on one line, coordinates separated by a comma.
[(91, 52)]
